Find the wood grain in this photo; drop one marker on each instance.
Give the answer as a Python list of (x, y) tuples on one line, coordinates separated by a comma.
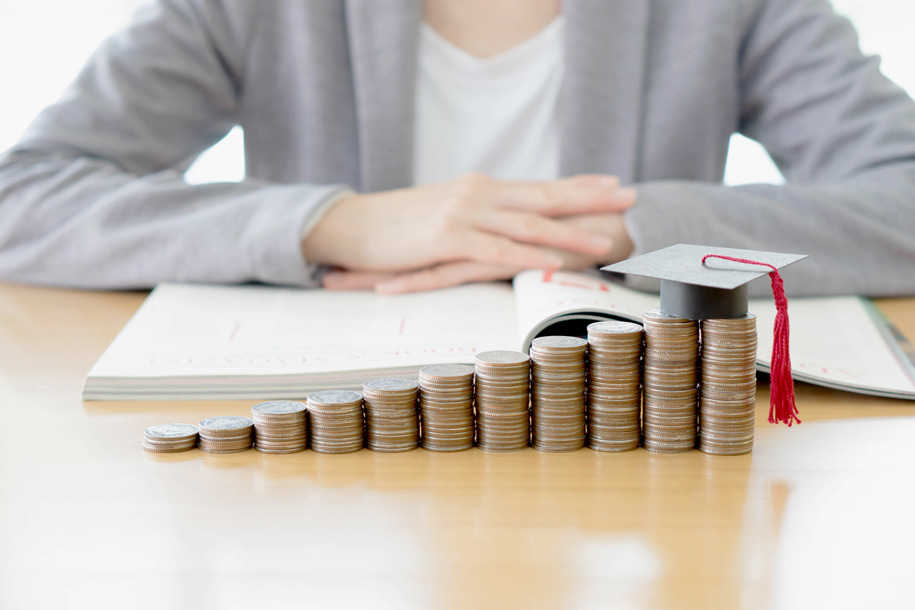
[(819, 515)]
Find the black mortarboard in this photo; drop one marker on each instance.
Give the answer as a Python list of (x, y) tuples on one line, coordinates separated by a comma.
[(697, 290)]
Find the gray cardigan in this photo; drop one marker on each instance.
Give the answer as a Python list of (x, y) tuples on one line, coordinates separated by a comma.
[(93, 196)]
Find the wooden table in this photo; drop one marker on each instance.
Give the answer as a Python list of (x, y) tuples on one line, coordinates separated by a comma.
[(818, 516)]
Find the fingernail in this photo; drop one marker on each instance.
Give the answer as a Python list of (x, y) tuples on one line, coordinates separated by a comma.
[(553, 262), (625, 195), (609, 181), (391, 287), (331, 277), (600, 241)]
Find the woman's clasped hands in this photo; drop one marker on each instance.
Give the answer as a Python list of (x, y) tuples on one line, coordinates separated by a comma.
[(471, 229)]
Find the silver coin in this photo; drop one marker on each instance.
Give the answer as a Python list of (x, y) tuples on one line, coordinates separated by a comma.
[(390, 385), (614, 327), (556, 341), (497, 358), (226, 422), (168, 448), (278, 407), (334, 397), (446, 371), (172, 431)]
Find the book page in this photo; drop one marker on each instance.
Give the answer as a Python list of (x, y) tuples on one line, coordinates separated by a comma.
[(190, 332), (542, 297), (834, 340), (194, 330)]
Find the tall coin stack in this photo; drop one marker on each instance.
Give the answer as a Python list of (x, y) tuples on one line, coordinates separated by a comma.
[(391, 416), (558, 393), (226, 434), (670, 379), (337, 421), (614, 385), (446, 407), (502, 380), (727, 392), (279, 426), (170, 438)]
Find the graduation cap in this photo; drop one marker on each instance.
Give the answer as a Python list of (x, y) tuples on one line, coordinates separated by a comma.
[(705, 283), (697, 284)]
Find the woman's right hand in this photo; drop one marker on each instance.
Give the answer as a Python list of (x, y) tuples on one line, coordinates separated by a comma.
[(473, 218)]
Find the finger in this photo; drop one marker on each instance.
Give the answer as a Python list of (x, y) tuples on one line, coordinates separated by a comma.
[(611, 225), (491, 249), (578, 195), (535, 229), (445, 275), (354, 280)]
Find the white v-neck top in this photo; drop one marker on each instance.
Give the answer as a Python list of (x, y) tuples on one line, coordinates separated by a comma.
[(497, 115)]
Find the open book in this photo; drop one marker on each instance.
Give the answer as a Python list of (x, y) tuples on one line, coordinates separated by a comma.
[(260, 342)]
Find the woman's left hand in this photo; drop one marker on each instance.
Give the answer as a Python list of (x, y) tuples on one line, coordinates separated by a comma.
[(463, 272)]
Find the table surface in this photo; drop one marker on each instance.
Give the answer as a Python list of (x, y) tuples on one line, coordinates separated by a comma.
[(819, 515)]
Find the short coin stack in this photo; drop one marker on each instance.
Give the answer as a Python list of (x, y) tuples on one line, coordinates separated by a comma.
[(558, 393), (170, 438), (502, 380), (670, 379), (446, 407), (614, 385), (391, 416), (279, 426), (727, 403), (337, 421), (226, 434)]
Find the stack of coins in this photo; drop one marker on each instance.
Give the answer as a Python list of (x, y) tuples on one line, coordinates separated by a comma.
[(558, 393), (614, 385), (170, 438), (336, 421), (502, 382), (279, 426), (391, 417), (226, 434), (670, 379), (727, 403), (446, 407)]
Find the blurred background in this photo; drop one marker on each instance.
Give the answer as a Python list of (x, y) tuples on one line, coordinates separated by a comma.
[(44, 43)]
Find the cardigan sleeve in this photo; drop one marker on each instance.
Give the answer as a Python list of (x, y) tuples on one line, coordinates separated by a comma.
[(93, 195), (844, 137)]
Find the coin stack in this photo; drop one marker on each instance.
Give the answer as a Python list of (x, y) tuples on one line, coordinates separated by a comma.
[(226, 434), (558, 393), (337, 421), (446, 407), (614, 385), (279, 426), (170, 438), (502, 380), (727, 392), (391, 416), (670, 378)]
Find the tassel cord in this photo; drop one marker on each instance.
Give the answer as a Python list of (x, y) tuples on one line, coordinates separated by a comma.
[(782, 405)]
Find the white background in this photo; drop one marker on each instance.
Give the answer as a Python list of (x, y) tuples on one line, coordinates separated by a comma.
[(43, 44)]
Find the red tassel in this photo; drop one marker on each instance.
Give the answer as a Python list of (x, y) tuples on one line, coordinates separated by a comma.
[(782, 407)]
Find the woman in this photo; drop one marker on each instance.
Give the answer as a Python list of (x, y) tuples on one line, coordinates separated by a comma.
[(409, 145)]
